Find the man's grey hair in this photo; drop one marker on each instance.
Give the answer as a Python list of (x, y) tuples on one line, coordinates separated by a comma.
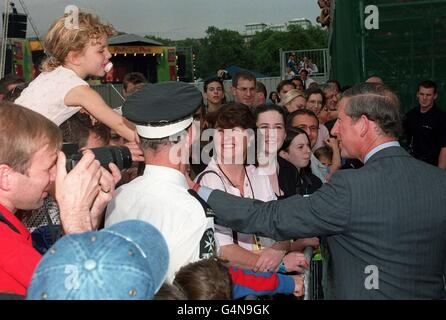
[(378, 103), (155, 144), (325, 87)]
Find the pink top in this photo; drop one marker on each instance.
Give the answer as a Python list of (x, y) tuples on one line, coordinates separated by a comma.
[(256, 186)]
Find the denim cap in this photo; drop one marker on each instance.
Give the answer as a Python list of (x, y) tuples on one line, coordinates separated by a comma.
[(127, 261)]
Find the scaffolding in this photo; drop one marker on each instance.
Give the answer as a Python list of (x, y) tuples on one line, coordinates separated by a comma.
[(4, 43), (4, 39), (409, 45), (319, 57)]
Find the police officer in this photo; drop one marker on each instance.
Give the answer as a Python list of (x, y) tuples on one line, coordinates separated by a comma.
[(163, 115)]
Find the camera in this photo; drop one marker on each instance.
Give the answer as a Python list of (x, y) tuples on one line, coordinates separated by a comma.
[(120, 156)]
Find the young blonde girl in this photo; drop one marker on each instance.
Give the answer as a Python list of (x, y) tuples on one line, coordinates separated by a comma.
[(73, 53)]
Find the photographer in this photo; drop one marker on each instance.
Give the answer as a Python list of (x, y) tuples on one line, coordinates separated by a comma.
[(79, 133), (30, 161)]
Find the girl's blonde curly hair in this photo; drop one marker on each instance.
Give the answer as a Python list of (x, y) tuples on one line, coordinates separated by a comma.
[(60, 39)]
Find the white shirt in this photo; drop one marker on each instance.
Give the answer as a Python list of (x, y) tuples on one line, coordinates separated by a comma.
[(256, 186), (308, 82), (312, 69), (379, 148), (290, 75), (318, 169), (161, 198), (46, 94)]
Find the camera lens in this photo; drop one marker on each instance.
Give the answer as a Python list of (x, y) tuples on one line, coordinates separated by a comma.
[(120, 156)]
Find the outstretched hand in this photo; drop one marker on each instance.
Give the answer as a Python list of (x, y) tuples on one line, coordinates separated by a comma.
[(299, 288), (295, 261), (269, 260), (135, 151), (333, 143)]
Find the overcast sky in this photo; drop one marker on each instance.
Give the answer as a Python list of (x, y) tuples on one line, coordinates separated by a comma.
[(175, 19)]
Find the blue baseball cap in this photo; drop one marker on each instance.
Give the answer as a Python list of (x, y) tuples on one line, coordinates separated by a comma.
[(127, 261)]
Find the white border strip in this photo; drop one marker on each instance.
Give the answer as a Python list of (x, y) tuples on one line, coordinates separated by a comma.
[(151, 132)]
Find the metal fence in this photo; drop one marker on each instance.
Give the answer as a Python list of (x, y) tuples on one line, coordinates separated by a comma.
[(270, 84), (319, 57), (111, 96)]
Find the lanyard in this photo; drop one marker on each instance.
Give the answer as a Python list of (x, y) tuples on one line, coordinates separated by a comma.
[(246, 175), (256, 242)]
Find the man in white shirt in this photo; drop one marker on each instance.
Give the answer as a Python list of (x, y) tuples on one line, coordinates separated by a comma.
[(310, 66), (304, 77), (163, 114)]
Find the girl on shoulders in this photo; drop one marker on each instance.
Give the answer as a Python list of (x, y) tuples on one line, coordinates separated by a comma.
[(74, 53)]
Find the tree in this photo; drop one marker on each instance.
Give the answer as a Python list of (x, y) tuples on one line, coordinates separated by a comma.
[(163, 41), (318, 36), (265, 46), (220, 49)]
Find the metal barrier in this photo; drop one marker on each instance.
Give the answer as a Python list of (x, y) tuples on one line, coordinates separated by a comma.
[(313, 276), (111, 93), (308, 253), (270, 85), (319, 57)]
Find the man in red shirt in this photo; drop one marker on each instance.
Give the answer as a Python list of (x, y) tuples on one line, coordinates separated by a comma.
[(30, 161)]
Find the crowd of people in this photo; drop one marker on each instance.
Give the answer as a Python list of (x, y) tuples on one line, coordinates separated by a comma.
[(308, 165)]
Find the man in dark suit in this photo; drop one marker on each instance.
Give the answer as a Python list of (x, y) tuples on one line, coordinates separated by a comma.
[(384, 223)]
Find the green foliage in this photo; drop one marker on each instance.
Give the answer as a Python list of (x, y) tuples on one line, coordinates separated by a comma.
[(265, 46), (219, 49), (222, 48), (165, 42)]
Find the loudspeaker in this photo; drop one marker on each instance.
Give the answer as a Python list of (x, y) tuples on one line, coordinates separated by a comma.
[(17, 25), (181, 63), (9, 63)]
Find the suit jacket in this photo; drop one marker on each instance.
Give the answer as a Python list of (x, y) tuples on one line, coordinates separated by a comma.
[(385, 225)]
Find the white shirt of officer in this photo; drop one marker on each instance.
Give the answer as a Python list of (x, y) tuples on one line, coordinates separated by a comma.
[(161, 198)]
